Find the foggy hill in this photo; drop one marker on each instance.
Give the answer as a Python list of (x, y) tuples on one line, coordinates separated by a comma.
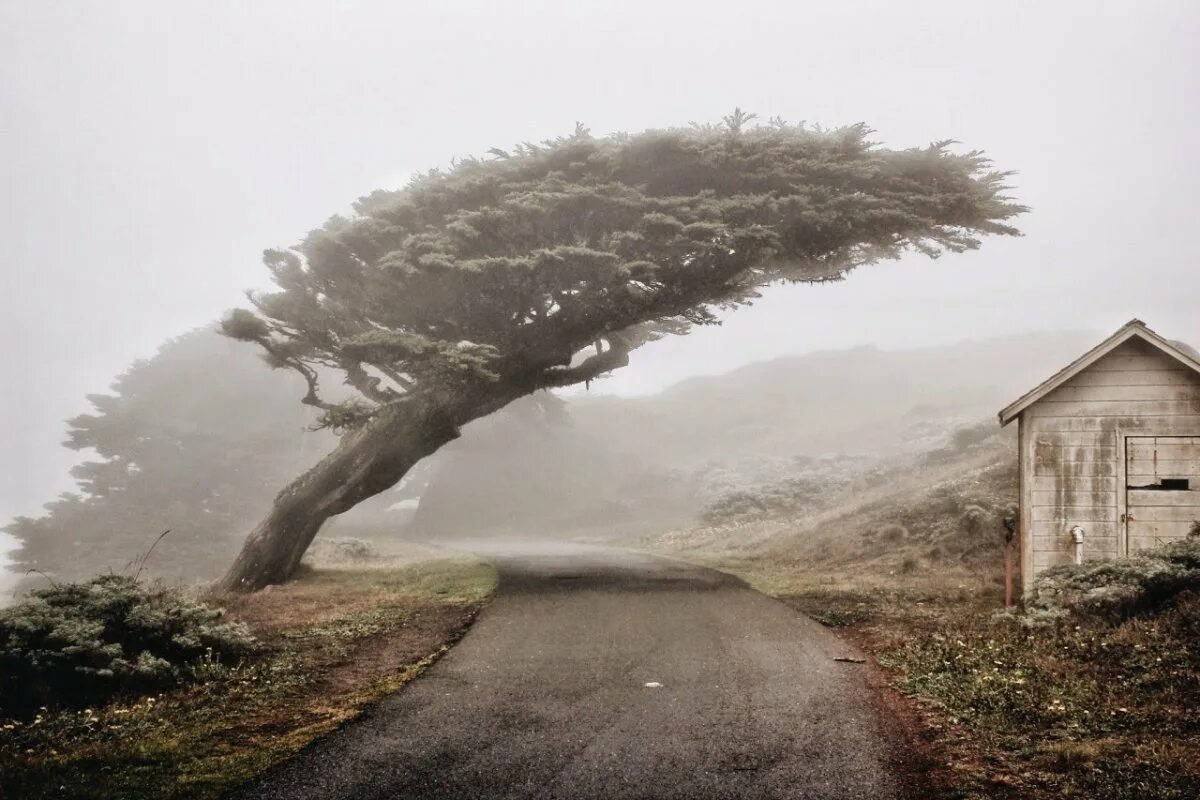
[(175, 449), (610, 465)]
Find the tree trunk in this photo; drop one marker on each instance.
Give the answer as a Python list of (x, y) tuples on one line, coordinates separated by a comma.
[(365, 462)]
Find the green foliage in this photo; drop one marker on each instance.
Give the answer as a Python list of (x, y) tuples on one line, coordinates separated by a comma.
[(1120, 587), (79, 644), (504, 271)]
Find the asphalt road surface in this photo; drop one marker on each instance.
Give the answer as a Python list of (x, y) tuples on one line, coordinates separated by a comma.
[(601, 673)]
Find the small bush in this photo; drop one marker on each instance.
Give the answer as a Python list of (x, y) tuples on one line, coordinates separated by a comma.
[(79, 644), (342, 550), (1118, 588), (976, 520)]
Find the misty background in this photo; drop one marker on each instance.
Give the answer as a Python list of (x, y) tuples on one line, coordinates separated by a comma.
[(148, 154)]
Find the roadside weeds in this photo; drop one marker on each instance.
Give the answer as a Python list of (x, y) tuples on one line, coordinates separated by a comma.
[(991, 708)]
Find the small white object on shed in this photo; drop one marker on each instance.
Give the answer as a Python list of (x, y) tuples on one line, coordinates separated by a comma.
[(1109, 444)]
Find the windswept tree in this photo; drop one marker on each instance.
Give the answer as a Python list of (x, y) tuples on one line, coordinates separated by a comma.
[(169, 447), (544, 267)]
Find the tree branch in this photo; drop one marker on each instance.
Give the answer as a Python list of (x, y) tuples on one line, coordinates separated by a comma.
[(590, 368), (369, 385)]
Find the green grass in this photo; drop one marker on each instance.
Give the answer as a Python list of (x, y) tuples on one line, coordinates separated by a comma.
[(336, 641)]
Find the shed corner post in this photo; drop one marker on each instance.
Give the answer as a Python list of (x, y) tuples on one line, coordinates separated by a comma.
[(1024, 481)]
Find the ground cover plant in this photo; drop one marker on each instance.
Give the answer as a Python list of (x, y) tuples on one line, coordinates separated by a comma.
[(79, 644), (329, 644)]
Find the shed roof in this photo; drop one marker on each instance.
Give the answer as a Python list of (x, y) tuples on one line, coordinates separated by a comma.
[(1135, 328)]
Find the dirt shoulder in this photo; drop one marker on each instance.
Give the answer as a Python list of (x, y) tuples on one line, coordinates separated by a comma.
[(333, 642)]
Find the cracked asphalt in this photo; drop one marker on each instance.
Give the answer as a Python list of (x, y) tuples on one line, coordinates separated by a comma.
[(547, 696)]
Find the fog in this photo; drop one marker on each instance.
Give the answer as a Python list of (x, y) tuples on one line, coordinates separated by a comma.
[(149, 152)]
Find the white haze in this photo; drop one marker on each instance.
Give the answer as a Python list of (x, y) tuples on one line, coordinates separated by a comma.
[(149, 151), (7, 579)]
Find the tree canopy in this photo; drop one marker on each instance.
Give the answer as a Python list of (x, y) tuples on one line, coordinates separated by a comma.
[(546, 265), (175, 445)]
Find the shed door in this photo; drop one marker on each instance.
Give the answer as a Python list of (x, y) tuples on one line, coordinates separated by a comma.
[(1162, 478)]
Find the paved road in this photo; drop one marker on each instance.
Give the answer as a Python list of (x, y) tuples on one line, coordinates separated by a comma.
[(549, 696)]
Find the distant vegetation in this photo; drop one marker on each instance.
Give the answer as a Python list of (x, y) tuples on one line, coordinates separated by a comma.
[(172, 448), (176, 446), (605, 466)]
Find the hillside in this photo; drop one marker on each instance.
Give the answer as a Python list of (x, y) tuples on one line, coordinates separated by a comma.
[(174, 450), (611, 466)]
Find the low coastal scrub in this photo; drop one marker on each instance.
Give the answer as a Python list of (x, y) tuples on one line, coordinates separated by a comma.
[(1091, 691), (87, 643), (1119, 588), (328, 644)]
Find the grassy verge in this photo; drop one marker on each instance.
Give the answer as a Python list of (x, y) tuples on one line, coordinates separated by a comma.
[(1083, 708), (334, 641)]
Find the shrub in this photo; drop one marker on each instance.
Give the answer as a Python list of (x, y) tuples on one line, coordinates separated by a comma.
[(976, 520), (77, 644), (342, 550), (1118, 588)]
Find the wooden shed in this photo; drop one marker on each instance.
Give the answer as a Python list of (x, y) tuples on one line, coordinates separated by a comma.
[(1109, 451)]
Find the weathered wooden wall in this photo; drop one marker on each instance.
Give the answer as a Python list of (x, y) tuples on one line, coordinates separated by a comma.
[(1073, 449)]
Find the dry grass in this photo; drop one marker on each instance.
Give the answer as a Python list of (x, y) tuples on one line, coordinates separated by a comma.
[(334, 641), (1086, 708)]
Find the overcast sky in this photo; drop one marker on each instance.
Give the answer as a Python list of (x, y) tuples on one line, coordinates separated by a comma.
[(149, 151)]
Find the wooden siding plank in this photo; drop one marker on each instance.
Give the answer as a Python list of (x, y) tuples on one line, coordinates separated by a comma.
[(1146, 377), (1072, 483), (1078, 469), (1054, 528), (1151, 498), (1119, 362), (1149, 534), (1164, 513), (1073, 514), (1159, 529), (1122, 394), (1075, 452), (1116, 408), (1042, 498), (1043, 561), (1074, 439), (1182, 425), (1164, 448), (1065, 544), (1164, 469)]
